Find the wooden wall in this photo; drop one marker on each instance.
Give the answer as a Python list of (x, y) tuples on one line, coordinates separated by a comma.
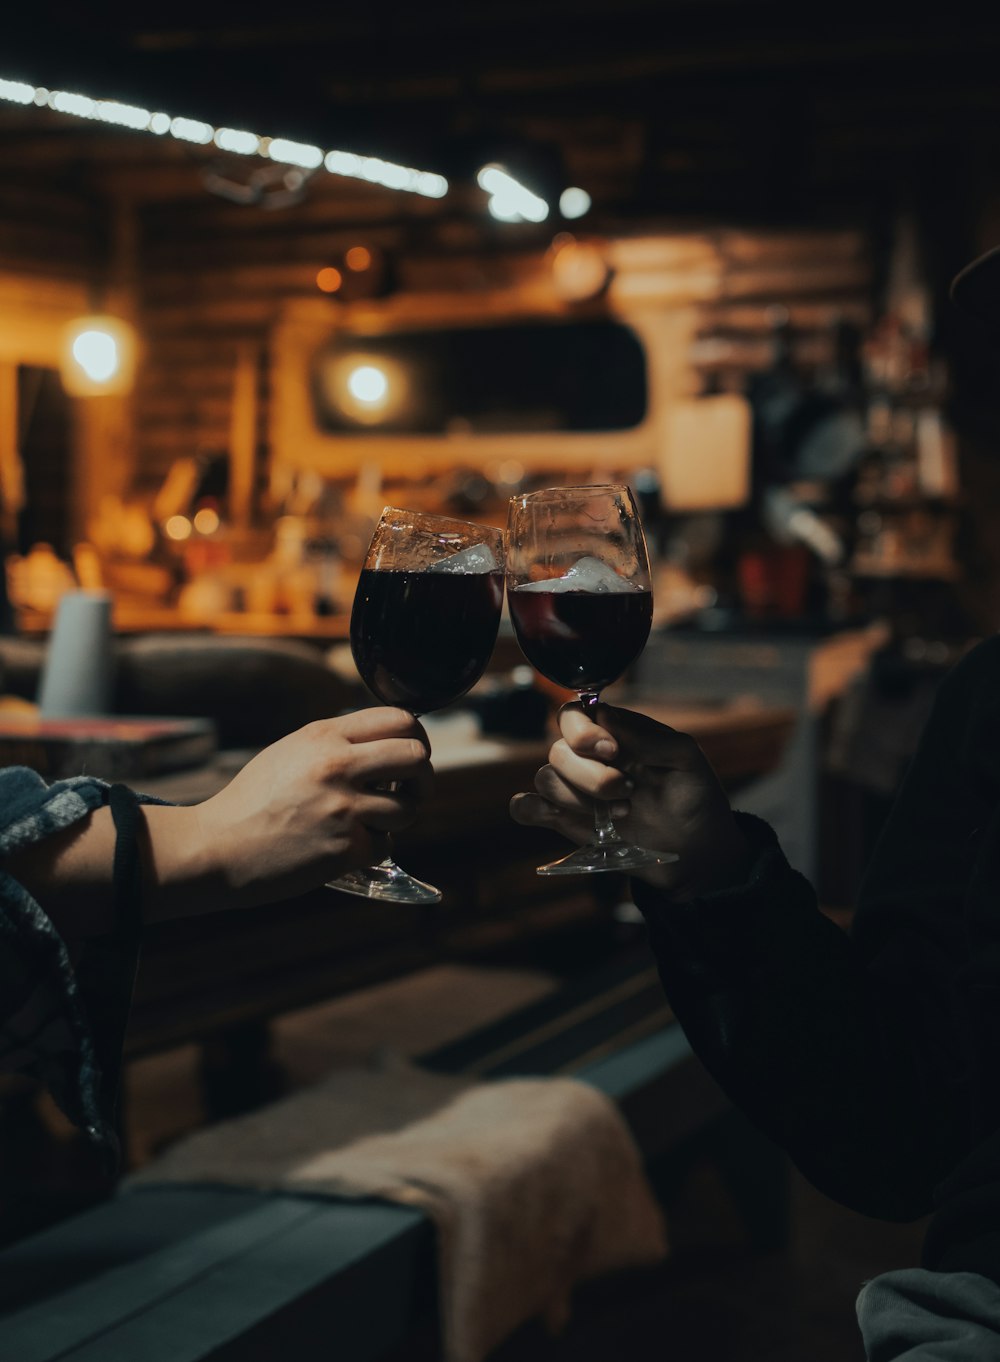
[(208, 281), (51, 231), (217, 278), (54, 254)]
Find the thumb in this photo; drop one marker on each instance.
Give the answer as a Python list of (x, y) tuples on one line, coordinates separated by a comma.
[(650, 743)]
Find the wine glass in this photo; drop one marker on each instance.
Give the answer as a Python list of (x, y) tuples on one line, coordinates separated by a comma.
[(425, 619), (578, 592)]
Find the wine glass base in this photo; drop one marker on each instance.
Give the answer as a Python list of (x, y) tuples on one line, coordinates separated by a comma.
[(386, 883), (591, 860)]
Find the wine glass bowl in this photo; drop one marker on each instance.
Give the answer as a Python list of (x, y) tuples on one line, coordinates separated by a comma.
[(427, 609), (581, 602), (423, 626)]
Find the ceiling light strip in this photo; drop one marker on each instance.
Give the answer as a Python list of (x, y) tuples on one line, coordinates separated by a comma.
[(193, 130)]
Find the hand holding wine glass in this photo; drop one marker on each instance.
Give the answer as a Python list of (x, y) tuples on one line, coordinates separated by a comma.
[(579, 595), (672, 797), (425, 620)]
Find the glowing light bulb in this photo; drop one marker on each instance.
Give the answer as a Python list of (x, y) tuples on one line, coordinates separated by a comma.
[(206, 521), (395, 177), (81, 106), (17, 92), (192, 130), (295, 153), (493, 179), (371, 169), (98, 356), (503, 209), (123, 115), (178, 527), (368, 384), (242, 143), (431, 185), (510, 201), (96, 352), (574, 202), (343, 163), (358, 258), (328, 280)]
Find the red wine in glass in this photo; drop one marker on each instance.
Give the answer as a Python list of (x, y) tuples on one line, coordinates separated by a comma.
[(423, 627), (581, 640), (421, 639)]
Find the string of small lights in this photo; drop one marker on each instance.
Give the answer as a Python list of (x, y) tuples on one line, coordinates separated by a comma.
[(508, 200), (241, 143)]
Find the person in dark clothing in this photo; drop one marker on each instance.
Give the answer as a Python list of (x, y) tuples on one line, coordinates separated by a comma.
[(872, 1057)]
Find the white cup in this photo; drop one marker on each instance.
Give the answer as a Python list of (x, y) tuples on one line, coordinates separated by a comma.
[(78, 674)]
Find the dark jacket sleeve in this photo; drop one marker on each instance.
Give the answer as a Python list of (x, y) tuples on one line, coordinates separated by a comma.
[(858, 1054)]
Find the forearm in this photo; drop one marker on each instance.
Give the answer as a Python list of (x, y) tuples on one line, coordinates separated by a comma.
[(70, 873), (779, 1006)]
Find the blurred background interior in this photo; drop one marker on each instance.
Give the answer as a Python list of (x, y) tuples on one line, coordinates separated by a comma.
[(260, 276)]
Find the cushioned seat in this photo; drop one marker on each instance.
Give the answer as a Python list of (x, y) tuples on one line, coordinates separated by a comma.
[(256, 690)]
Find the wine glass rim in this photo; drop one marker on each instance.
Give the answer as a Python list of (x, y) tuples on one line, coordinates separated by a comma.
[(476, 525), (575, 489)]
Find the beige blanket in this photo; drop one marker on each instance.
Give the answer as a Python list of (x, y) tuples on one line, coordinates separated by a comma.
[(533, 1184)]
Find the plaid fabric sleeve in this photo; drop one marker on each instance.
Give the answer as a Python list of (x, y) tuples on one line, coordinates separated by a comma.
[(55, 1020)]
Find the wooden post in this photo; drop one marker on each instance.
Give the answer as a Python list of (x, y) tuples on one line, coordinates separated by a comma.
[(243, 436), (11, 469)]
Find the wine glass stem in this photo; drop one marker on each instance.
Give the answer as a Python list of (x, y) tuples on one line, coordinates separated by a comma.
[(605, 833), (382, 841), (386, 860)]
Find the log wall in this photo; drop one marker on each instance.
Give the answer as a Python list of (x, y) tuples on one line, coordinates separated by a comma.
[(217, 277)]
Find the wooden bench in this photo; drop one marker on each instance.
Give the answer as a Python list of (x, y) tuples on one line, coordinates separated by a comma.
[(186, 1275)]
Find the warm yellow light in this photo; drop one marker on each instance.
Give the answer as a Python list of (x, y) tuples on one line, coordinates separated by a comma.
[(367, 388), (358, 258), (96, 352), (178, 527), (329, 279), (368, 384), (510, 472), (206, 521), (98, 356)]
